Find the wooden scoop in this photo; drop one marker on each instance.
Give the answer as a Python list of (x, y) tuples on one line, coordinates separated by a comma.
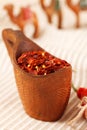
[(44, 97)]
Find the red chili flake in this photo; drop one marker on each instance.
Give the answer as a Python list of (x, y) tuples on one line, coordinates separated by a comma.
[(40, 62), (81, 92)]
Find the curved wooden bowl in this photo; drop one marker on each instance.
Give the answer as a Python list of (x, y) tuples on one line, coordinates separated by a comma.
[(44, 97)]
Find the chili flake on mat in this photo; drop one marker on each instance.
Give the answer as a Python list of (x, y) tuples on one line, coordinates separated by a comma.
[(40, 62)]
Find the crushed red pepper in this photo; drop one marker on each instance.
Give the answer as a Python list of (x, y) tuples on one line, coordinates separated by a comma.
[(40, 62)]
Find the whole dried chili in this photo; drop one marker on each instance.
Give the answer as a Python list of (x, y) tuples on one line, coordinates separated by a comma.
[(81, 92), (40, 62)]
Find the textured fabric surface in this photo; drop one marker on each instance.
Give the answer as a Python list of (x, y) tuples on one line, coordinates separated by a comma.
[(70, 45)]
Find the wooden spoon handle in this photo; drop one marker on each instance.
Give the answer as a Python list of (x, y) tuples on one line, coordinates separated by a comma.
[(17, 42)]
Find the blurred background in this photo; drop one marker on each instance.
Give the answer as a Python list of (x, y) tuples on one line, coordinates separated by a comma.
[(68, 16)]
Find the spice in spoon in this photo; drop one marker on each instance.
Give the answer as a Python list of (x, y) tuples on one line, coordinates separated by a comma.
[(40, 62)]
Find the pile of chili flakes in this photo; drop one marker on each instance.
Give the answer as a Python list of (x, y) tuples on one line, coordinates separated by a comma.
[(40, 62)]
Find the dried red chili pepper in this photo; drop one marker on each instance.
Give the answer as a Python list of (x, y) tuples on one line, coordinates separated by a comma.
[(81, 92), (40, 62)]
